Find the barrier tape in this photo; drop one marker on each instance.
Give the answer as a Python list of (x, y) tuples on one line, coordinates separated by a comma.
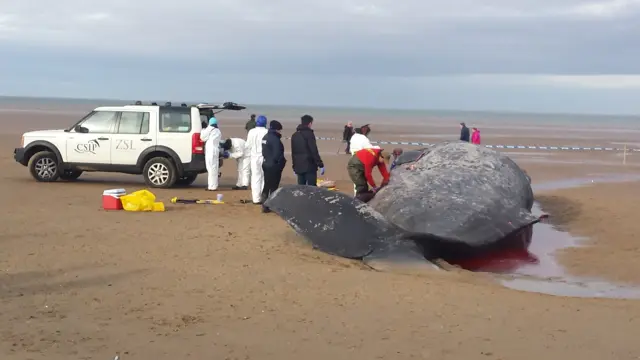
[(525, 147)]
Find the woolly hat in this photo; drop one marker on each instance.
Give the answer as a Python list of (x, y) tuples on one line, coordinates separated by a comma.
[(275, 125)]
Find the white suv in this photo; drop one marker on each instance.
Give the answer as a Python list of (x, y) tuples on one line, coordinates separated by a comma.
[(161, 142)]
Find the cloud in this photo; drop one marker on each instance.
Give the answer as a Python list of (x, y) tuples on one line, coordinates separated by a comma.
[(406, 51)]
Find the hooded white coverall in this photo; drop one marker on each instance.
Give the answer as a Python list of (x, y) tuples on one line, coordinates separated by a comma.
[(254, 149), (357, 143), (240, 153), (211, 137)]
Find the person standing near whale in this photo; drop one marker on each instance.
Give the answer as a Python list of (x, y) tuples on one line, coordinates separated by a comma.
[(305, 156)]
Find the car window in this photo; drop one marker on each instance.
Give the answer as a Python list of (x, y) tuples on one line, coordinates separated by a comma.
[(100, 122), (134, 122), (175, 121)]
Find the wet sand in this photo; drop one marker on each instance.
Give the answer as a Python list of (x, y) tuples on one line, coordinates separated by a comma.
[(229, 282)]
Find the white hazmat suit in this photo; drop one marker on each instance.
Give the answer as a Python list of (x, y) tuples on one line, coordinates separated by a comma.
[(254, 149), (211, 137), (239, 152)]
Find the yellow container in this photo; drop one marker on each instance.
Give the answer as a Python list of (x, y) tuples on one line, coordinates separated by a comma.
[(158, 206)]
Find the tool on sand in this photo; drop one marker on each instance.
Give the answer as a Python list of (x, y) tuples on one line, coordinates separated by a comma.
[(177, 200)]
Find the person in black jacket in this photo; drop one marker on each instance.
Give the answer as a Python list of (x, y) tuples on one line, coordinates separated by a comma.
[(274, 161), (346, 136), (464, 132), (304, 153)]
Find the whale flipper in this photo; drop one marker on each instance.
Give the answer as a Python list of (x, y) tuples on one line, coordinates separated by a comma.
[(332, 221)]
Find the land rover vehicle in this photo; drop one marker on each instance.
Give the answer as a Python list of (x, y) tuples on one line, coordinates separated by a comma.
[(161, 142)]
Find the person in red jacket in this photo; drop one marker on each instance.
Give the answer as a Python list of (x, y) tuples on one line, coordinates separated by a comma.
[(360, 169)]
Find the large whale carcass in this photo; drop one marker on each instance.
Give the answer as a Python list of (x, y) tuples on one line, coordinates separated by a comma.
[(453, 201)]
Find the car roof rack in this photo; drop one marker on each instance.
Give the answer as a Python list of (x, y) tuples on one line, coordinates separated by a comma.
[(205, 106)]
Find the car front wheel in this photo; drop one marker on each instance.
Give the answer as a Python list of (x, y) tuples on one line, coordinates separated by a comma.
[(44, 166), (160, 172)]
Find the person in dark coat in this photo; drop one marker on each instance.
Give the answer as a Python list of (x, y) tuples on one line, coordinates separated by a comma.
[(304, 153), (464, 132), (346, 135), (274, 161)]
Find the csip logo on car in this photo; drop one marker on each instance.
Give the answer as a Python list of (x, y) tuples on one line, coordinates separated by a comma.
[(89, 147)]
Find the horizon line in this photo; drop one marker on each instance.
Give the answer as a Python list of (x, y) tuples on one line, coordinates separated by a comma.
[(352, 108)]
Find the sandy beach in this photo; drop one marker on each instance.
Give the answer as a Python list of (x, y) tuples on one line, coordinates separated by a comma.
[(228, 282)]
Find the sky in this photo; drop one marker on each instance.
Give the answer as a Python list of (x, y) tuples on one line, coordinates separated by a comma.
[(573, 56)]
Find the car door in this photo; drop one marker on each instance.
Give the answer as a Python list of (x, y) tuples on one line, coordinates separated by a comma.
[(90, 141), (134, 134)]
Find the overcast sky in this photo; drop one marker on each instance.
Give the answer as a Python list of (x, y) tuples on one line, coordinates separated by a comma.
[(523, 55)]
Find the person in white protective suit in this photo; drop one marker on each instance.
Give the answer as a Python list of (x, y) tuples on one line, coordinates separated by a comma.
[(254, 149), (237, 150), (211, 137)]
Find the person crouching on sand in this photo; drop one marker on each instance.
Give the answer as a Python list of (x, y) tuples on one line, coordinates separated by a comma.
[(238, 150), (475, 136), (360, 168)]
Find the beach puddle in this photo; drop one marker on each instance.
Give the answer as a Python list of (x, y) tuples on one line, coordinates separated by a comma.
[(547, 275), (587, 180), (540, 272)]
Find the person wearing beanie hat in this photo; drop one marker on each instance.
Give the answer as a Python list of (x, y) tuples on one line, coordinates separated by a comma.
[(305, 156), (254, 148), (261, 121), (274, 161), (211, 137)]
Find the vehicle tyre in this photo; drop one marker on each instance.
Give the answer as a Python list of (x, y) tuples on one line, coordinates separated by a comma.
[(187, 180), (160, 172), (44, 166), (70, 175)]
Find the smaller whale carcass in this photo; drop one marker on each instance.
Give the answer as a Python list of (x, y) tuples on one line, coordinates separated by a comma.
[(453, 201)]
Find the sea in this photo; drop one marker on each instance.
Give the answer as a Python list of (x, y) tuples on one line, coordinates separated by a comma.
[(515, 120)]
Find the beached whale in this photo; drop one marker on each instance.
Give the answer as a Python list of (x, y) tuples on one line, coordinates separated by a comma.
[(452, 201)]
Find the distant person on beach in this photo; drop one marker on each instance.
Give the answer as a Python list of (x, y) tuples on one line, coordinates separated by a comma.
[(475, 136), (464, 132), (347, 134), (304, 153), (251, 123)]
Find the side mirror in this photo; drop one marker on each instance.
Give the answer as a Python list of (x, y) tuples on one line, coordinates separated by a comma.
[(80, 129)]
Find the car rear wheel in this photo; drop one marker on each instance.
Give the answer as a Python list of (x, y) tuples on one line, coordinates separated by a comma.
[(44, 166), (160, 172)]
